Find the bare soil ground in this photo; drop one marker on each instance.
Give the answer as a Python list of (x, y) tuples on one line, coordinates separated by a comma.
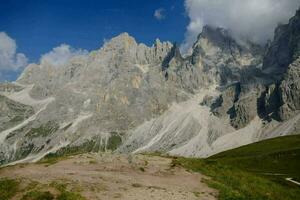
[(107, 176)]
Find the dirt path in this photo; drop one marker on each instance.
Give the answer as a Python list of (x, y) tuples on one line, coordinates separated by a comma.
[(292, 181), (125, 177)]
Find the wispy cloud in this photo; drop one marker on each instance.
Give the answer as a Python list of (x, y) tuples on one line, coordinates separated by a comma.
[(159, 14)]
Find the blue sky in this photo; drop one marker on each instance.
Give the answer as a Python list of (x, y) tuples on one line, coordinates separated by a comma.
[(38, 26)]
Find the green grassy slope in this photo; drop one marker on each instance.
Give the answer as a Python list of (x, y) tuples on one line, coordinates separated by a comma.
[(275, 156), (253, 172)]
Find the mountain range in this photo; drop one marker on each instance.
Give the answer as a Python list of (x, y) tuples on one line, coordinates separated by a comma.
[(130, 98)]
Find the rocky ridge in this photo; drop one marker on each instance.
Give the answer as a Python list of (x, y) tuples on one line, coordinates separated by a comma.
[(128, 97)]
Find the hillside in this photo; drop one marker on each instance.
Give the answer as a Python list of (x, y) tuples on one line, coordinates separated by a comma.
[(255, 171), (275, 156)]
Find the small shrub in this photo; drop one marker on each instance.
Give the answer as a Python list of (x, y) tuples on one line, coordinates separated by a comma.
[(114, 141), (142, 169), (59, 186), (93, 162), (66, 195), (8, 188), (38, 195), (137, 185)]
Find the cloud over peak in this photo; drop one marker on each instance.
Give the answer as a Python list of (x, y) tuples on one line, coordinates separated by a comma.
[(61, 55), (253, 20)]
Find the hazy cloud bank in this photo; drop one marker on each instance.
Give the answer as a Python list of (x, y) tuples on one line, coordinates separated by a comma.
[(247, 19)]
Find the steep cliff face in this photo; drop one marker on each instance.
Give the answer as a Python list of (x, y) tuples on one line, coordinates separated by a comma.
[(285, 48), (275, 95), (282, 62), (129, 97), (289, 91), (216, 51), (12, 113), (96, 97)]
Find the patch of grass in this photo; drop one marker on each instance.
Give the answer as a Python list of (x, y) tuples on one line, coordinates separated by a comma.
[(59, 186), (38, 195), (197, 194), (155, 153), (252, 172), (36, 191), (51, 160), (114, 141), (93, 162), (66, 195), (32, 185), (8, 188), (236, 184), (275, 156)]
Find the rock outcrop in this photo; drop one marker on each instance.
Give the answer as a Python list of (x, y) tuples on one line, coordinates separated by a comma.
[(12, 113), (285, 48), (289, 91)]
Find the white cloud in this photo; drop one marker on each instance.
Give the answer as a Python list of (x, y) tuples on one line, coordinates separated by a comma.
[(10, 60), (247, 19), (61, 55), (159, 14)]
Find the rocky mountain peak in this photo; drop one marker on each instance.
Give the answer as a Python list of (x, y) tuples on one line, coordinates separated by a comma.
[(285, 47), (215, 49), (124, 44), (157, 42), (160, 45), (217, 36), (122, 41), (215, 39)]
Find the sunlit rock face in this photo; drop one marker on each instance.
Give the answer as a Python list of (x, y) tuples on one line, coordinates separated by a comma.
[(130, 98), (217, 52)]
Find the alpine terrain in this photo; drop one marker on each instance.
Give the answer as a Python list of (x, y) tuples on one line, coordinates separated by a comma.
[(127, 97)]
